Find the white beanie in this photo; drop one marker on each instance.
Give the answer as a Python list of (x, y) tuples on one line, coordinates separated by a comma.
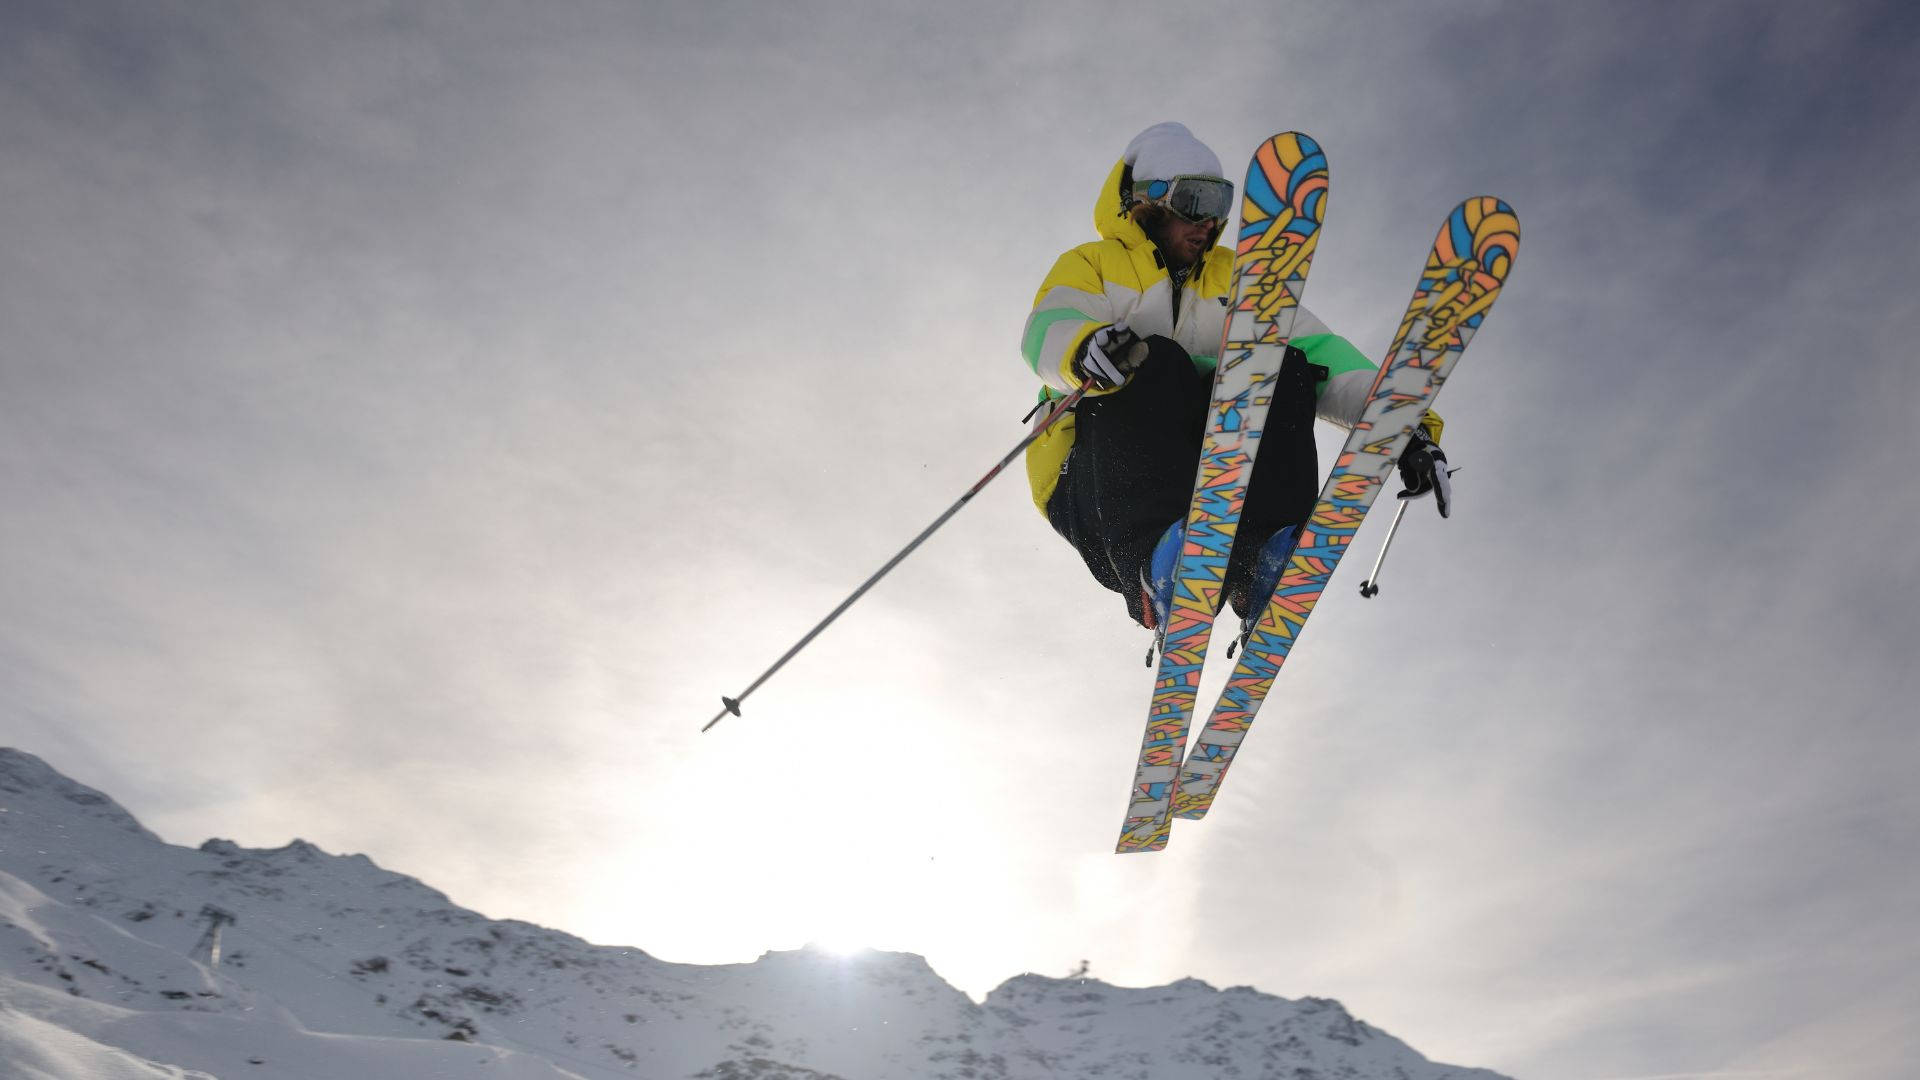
[(1167, 150)]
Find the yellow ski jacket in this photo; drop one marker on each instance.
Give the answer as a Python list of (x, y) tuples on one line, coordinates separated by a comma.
[(1121, 277)]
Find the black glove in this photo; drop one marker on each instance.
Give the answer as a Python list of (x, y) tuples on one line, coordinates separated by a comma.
[(1423, 468), (1110, 357)]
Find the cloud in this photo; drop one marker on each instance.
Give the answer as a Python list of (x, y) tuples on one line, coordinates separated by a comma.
[(410, 426)]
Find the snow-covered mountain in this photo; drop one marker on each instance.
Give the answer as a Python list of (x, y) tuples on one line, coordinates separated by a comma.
[(327, 967)]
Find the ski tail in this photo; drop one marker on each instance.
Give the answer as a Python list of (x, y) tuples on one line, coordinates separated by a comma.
[(1463, 275)]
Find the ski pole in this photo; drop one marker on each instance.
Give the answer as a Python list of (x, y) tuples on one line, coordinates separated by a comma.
[(1371, 586), (732, 704)]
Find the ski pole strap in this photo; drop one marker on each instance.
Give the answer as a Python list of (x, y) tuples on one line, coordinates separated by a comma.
[(1045, 400)]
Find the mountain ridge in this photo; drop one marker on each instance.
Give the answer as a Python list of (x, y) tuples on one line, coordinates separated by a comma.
[(330, 965)]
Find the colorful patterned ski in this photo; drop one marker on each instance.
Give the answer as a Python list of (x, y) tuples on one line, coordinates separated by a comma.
[(1281, 207), (1464, 273)]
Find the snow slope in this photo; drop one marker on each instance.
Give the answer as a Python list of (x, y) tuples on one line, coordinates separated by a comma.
[(333, 967)]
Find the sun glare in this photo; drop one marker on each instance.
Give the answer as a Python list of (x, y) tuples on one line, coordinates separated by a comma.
[(840, 945)]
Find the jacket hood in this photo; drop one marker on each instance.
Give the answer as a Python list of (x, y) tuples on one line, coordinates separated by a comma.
[(1110, 217)]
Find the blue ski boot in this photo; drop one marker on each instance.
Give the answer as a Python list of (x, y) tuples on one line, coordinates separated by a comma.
[(1267, 568), (1156, 577)]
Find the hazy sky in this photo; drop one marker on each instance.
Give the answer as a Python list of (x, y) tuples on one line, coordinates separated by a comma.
[(414, 417)]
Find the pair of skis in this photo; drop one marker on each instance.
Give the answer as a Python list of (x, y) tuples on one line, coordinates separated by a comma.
[(1282, 205)]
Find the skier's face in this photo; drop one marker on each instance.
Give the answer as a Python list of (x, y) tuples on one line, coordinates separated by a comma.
[(1180, 241)]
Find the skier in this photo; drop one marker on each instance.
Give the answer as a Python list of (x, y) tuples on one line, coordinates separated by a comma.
[(1137, 317)]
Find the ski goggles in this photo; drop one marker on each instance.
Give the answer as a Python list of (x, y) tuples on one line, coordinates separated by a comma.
[(1196, 198)]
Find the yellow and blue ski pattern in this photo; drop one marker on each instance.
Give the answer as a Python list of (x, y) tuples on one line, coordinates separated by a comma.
[(1281, 209), (1464, 273)]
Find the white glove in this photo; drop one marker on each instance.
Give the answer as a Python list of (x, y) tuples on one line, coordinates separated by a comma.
[(1112, 354)]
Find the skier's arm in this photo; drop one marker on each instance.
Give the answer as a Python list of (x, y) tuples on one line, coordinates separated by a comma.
[(1342, 396), (1070, 306)]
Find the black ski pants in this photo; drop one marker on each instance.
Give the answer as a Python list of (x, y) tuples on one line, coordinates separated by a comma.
[(1135, 454)]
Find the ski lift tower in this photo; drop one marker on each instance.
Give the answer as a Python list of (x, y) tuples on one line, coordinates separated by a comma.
[(207, 949)]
